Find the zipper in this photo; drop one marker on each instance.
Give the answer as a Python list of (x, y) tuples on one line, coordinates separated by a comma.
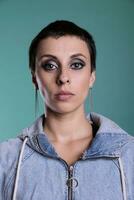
[(70, 182)]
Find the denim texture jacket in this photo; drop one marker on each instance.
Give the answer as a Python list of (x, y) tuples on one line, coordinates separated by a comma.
[(30, 168)]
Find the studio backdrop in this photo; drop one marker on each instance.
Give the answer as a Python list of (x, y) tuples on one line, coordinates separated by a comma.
[(112, 25)]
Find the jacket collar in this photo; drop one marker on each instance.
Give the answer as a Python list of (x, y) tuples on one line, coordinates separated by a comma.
[(107, 142)]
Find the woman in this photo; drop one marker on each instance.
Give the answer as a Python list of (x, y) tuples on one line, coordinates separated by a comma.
[(65, 154)]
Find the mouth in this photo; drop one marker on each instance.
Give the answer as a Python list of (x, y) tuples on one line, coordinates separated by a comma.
[(63, 95)]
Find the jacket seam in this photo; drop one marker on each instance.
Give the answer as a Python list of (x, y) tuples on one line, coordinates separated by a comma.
[(126, 185), (126, 178)]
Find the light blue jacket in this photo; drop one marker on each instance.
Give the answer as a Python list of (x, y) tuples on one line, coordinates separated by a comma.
[(30, 169)]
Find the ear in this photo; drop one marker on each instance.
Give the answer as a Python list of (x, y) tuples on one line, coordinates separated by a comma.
[(92, 79), (34, 81)]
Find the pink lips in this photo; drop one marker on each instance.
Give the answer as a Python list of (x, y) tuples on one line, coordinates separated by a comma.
[(63, 95)]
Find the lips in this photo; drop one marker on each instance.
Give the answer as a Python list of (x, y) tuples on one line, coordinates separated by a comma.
[(64, 95)]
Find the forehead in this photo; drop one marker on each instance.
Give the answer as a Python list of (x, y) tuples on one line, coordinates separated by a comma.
[(63, 45)]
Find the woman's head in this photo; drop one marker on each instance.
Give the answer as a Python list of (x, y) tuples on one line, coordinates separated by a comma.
[(59, 29), (62, 61)]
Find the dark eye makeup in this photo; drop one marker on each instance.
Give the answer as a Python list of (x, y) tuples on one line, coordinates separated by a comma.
[(77, 65), (48, 65)]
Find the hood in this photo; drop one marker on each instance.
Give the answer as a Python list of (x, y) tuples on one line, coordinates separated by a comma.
[(107, 142)]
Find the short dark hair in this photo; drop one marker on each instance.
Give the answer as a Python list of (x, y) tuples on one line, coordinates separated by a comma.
[(58, 29)]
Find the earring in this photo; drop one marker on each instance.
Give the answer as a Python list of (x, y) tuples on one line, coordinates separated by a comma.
[(91, 100), (90, 105), (36, 101)]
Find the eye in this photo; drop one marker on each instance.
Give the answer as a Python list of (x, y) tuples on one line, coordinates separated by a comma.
[(48, 66), (77, 65)]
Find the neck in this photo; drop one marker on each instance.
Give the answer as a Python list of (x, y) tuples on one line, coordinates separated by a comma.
[(68, 126)]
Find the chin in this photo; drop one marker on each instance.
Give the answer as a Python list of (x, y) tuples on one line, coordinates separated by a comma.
[(64, 109)]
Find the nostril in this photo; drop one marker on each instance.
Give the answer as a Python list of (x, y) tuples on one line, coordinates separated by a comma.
[(62, 81)]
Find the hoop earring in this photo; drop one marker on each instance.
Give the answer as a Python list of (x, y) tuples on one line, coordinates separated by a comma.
[(36, 102)]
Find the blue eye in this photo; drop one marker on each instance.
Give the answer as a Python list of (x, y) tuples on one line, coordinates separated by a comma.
[(77, 65)]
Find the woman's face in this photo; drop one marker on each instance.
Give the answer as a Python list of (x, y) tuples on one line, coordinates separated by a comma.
[(63, 66)]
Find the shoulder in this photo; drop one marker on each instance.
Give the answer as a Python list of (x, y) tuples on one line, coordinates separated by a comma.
[(128, 147), (127, 154), (127, 160), (9, 151)]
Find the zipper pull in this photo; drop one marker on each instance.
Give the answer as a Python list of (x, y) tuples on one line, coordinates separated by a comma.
[(71, 182)]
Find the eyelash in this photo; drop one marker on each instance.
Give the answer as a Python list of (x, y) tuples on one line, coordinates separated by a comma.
[(48, 66), (80, 64)]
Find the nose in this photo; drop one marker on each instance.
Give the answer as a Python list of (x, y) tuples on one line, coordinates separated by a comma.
[(63, 78)]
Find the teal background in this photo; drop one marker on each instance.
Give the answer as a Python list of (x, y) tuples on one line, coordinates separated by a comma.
[(112, 25)]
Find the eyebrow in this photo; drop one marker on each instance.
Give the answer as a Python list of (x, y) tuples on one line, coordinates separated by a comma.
[(78, 54), (54, 57)]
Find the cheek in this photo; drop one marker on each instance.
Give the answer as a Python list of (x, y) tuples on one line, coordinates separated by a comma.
[(42, 79), (44, 89), (82, 86), (42, 84), (82, 82)]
